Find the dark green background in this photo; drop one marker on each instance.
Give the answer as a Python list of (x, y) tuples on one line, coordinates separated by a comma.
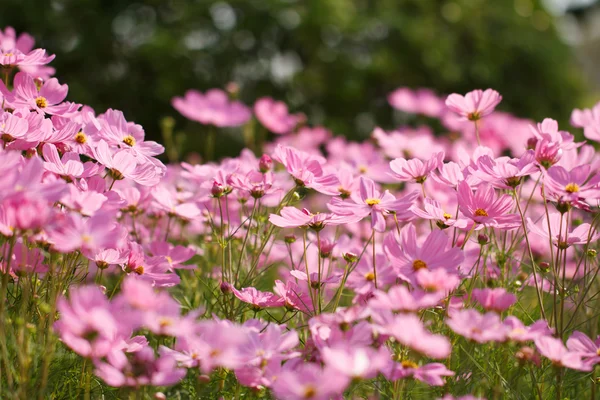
[(133, 55)]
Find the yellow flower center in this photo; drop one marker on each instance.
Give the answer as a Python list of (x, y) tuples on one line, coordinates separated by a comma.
[(309, 392), (419, 264), (447, 216), (80, 137), (362, 169), (86, 239), (409, 364), (480, 212), (139, 270), (572, 188), (8, 54), (372, 202), (474, 116), (164, 322), (370, 276), (129, 140), (41, 102)]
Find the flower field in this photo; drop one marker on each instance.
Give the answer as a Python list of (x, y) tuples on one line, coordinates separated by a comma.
[(453, 258)]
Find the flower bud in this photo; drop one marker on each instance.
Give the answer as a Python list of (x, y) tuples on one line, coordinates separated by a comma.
[(482, 239), (225, 288), (289, 239), (217, 189), (265, 163)]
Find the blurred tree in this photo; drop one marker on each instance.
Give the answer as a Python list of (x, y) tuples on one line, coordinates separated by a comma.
[(336, 60)]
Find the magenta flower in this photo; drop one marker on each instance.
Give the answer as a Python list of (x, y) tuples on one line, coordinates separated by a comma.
[(307, 170), (300, 381), (140, 368), (496, 299), (275, 117), (69, 168), (432, 374), (166, 200), (18, 51), (415, 170), (357, 362), (518, 332), (572, 187), (560, 237), (399, 298), (47, 100), (419, 101), (408, 330), (408, 257), (486, 208), (87, 324), (86, 234), (117, 132), (370, 201), (291, 217), (175, 256), (256, 298), (554, 349), (212, 108), (434, 211), (293, 296), (474, 105), (589, 350), (505, 173), (481, 328)]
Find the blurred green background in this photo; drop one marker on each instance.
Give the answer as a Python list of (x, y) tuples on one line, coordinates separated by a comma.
[(335, 60)]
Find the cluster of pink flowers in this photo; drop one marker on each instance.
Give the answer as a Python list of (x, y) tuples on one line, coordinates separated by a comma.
[(314, 269)]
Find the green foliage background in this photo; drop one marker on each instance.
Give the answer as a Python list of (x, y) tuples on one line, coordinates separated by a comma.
[(136, 55)]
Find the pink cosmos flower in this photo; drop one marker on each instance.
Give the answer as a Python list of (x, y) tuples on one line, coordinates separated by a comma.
[(307, 170), (140, 368), (554, 349), (589, 120), (408, 257), (309, 381), (432, 374), (117, 132), (574, 186), (257, 299), (357, 362), (13, 126), (481, 328), (212, 108), (275, 117), (589, 350), (291, 217), (87, 324), (415, 170), (166, 200), (496, 299), (86, 234), (560, 237), (18, 51), (400, 298), (449, 174), (255, 183), (369, 201), (518, 332), (486, 208), (419, 101), (505, 173), (47, 100), (124, 164), (434, 211), (474, 105), (408, 330), (175, 256), (293, 296)]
